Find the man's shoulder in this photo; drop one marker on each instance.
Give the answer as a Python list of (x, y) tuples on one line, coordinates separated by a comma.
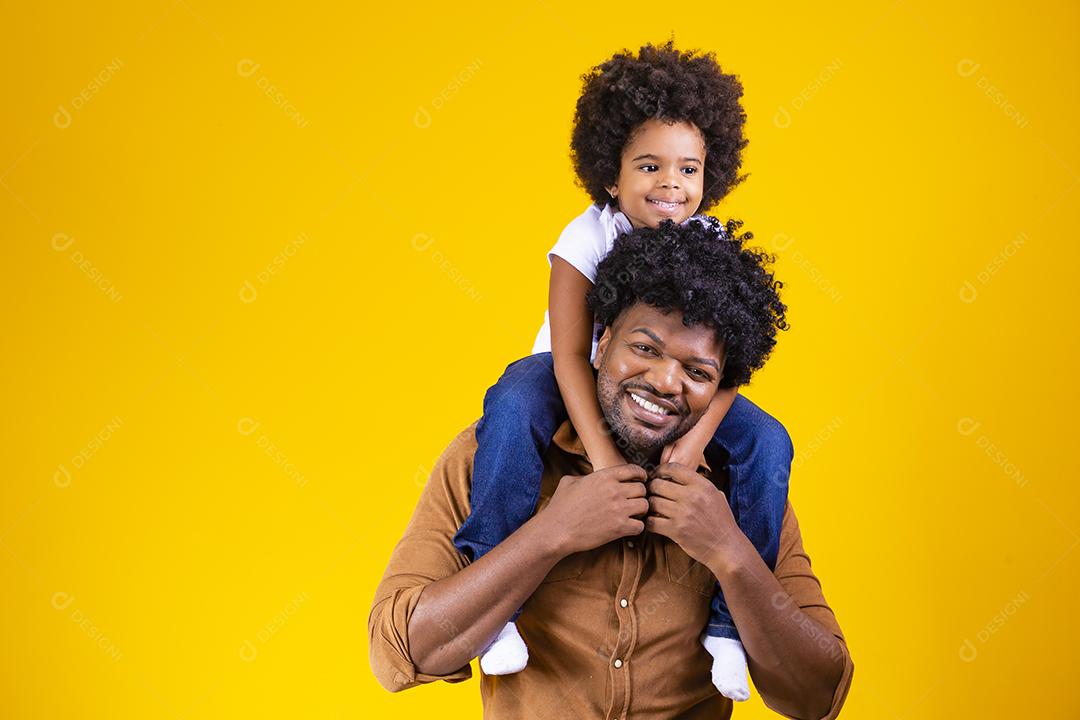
[(462, 447), (565, 454)]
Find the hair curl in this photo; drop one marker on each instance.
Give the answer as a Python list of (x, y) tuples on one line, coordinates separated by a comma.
[(704, 270), (664, 83)]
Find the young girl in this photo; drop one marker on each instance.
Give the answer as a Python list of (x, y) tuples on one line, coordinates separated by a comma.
[(657, 136)]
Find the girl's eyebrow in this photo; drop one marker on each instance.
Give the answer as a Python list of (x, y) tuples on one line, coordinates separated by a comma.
[(650, 156)]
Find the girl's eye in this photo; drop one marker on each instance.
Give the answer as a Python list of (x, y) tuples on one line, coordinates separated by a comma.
[(647, 168), (690, 170)]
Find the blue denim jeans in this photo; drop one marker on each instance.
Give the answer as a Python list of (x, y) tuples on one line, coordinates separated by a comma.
[(523, 410)]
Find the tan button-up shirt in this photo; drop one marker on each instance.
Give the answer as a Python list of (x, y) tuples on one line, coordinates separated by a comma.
[(612, 633)]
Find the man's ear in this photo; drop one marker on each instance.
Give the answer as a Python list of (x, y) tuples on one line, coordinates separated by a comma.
[(601, 347)]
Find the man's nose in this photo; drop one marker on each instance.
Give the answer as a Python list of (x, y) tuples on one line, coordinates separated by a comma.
[(663, 375)]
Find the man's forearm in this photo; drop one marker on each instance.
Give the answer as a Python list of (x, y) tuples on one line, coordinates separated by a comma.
[(456, 617), (795, 664)]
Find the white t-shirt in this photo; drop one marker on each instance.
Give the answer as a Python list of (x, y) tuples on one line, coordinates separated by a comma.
[(584, 243)]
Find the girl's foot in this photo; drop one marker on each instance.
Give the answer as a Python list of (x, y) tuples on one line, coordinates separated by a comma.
[(728, 667), (506, 654)]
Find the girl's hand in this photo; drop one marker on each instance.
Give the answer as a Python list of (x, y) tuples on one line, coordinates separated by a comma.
[(686, 451)]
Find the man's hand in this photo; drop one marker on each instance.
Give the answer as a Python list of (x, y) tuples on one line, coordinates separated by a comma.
[(588, 511), (687, 508), (795, 663)]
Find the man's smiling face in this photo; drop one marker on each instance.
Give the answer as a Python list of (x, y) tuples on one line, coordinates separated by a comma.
[(656, 378)]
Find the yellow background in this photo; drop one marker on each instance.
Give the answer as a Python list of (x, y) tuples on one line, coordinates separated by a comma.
[(265, 267)]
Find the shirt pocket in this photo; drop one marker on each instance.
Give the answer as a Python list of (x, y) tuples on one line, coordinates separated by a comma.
[(569, 568), (686, 571)]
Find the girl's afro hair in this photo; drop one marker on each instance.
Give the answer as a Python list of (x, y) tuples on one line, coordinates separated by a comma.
[(702, 269), (663, 83)]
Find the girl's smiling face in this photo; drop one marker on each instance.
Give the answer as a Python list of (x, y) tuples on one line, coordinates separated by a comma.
[(660, 176)]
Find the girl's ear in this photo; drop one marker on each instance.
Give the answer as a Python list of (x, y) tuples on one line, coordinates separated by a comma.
[(613, 191)]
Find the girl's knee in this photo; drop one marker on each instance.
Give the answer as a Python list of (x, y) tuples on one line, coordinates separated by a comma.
[(527, 391), (775, 441), (762, 431)]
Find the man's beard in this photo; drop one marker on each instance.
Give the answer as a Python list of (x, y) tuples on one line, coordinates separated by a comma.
[(637, 444)]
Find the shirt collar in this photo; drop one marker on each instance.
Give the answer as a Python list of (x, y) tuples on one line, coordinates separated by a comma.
[(614, 222)]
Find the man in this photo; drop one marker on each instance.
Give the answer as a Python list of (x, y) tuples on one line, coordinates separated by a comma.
[(616, 568)]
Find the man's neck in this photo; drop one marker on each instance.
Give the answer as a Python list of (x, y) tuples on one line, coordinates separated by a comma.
[(645, 457)]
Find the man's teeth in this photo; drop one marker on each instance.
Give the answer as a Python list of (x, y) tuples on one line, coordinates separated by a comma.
[(651, 407), (665, 205)]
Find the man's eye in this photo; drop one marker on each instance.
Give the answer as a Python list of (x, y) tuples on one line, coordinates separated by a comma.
[(698, 373), (643, 348)]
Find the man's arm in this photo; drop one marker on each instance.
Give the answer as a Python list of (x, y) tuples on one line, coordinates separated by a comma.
[(801, 667), (796, 664), (433, 611), (458, 616)]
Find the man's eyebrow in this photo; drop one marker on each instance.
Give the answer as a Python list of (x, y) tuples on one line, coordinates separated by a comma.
[(650, 156), (650, 333), (706, 361), (699, 360)]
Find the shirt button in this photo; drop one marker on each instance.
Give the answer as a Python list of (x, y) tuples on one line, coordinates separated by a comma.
[(623, 602), (618, 663), (630, 543)]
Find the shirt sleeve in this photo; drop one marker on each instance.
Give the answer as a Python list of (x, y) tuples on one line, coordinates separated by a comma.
[(583, 243), (425, 553), (798, 580)]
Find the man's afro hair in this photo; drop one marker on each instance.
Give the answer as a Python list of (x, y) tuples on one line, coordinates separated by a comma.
[(664, 83), (704, 270)]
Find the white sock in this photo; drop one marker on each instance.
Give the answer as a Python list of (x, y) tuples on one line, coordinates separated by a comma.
[(506, 654), (728, 667)]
